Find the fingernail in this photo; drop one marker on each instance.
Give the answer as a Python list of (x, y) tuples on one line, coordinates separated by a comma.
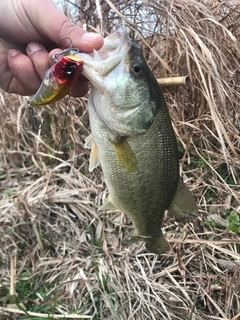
[(34, 47), (88, 36), (13, 52)]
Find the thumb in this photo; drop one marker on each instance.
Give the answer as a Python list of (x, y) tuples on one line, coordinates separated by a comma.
[(54, 25)]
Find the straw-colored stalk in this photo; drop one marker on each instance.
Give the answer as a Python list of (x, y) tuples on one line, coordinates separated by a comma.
[(174, 81)]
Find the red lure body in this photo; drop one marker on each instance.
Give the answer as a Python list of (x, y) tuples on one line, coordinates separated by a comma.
[(58, 80)]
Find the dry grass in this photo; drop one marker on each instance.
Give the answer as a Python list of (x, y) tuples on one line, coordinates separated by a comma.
[(70, 258)]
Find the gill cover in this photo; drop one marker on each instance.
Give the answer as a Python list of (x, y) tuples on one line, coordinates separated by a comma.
[(121, 95)]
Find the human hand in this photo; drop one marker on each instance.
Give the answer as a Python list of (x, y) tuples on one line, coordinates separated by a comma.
[(28, 31)]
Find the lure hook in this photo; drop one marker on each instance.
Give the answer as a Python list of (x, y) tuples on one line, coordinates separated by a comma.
[(67, 50), (34, 124)]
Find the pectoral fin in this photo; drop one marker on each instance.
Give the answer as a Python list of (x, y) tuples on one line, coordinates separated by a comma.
[(94, 159), (125, 156), (89, 142), (183, 206)]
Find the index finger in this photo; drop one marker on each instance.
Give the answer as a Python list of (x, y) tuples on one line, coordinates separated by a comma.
[(50, 21)]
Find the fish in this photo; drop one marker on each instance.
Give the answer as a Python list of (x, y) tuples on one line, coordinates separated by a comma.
[(133, 140), (58, 80)]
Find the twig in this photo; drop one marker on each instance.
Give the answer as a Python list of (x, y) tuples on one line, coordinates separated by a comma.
[(44, 315), (174, 81), (197, 295), (35, 227), (236, 317), (13, 273), (122, 16)]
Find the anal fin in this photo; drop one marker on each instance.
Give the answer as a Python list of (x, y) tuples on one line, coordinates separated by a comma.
[(108, 205), (183, 206)]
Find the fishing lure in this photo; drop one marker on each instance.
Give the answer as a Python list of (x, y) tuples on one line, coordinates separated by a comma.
[(58, 81)]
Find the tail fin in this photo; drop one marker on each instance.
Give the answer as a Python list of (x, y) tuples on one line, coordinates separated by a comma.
[(154, 244), (157, 244)]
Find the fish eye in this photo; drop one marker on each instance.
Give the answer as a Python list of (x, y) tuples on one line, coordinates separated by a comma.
[(137, 69)]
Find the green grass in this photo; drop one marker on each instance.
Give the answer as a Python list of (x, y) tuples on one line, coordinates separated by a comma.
[(31, 296), (9, 192), (210, 194), (223, 171), (210, 223), (234, 221)]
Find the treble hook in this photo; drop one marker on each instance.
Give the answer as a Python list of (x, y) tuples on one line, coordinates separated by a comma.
[(34, 124), (67, 50)]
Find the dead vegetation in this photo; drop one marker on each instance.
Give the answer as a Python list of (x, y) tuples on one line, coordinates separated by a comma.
[(70, 258)]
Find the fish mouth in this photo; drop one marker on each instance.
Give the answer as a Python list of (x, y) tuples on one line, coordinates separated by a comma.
[(99, 64)]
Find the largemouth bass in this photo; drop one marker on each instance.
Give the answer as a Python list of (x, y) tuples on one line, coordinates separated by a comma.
[(133, 140)]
